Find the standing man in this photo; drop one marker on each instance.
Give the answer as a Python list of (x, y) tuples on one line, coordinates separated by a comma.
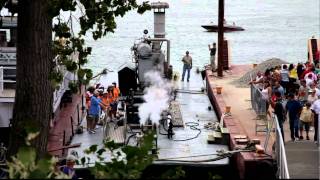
[(293, 108), (213, 56), (94, 111), (315, 107), (279, 110), (187, 65)]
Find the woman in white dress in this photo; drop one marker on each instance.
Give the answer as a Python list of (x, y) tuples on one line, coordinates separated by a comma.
[(266, 95)]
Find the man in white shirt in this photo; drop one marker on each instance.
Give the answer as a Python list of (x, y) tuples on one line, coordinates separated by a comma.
[(315, 107)]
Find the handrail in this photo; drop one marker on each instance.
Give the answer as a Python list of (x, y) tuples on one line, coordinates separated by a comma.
[(281, 157), (258, 104)]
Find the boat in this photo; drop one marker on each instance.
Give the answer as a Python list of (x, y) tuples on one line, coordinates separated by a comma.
[(184, 107), (8, 28), (227, 27)]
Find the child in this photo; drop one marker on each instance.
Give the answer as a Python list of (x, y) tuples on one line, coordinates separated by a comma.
[(306, 118)]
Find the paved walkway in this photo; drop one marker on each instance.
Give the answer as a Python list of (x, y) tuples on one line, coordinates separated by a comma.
[(303, 160)]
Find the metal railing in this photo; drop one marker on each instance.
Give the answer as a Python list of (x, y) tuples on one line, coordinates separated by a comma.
[(2, 80), (318, 139), (281, 157), (257, 102)]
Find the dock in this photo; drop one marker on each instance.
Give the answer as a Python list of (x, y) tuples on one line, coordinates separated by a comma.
[(302, 156), (191, 106)]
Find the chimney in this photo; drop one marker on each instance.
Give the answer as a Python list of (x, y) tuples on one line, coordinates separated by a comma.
[(159, 9)]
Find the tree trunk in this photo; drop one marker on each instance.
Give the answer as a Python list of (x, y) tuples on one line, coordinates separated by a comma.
[(34, 93)]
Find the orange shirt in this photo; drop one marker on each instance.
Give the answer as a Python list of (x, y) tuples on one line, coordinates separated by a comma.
[(111, 98), (105, 101), (116, 92)]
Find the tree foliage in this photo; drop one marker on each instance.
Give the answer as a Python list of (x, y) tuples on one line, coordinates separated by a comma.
[(126, 162), (97, 18)]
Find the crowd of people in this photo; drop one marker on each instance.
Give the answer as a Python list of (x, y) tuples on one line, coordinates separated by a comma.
[(292, 92), (101, 100)]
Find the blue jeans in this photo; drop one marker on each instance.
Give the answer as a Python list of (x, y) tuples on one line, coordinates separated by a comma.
[(186, 67), (294, 128)]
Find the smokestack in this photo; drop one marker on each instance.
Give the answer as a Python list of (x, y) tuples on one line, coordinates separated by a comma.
[(159, 9)]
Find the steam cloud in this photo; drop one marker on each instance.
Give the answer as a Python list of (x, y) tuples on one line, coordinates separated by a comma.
[(156, 97)]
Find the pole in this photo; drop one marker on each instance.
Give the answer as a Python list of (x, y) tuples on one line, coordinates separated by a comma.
[(318, 138), (220, 38)]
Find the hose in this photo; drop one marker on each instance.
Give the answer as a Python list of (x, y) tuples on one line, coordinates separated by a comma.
[(192, 125)]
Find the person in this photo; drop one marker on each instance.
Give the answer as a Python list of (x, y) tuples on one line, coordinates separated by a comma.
[(258, 80), (300, 70), (94, 112), (105, 100), (312, 97), (116, 90), (213, 56), (303, 92), (266, 93), (309, 81), (68, 169), (112, 101), (279, 88), (187, 65), (280, 112), (293, 107), (88, 96), (116, 94), (315, 107), (284, 73), (306, 118), (293, 76)]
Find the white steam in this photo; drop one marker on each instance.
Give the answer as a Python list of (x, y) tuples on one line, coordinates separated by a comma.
[(156, 97)]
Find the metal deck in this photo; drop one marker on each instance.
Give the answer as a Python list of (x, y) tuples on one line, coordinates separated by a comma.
[(194, 108)]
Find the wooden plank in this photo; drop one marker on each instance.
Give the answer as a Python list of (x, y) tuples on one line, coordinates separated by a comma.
[(115, 134), (65, 147), (175, 111)]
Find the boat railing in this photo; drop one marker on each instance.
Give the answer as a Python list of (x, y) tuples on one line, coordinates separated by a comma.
[(2, 80), (281, 158), (8, 56)]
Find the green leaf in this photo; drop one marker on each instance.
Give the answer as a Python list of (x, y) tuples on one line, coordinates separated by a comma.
[(101, 151), (26, 155), (83, 160), (93, 148)]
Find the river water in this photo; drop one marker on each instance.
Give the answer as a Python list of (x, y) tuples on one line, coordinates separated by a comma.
[(273, 28)]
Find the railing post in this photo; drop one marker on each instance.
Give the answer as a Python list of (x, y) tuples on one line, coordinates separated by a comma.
[(318, 138), (1, 79), (63, 141), (71, 120), (78, 114), (64, 138)]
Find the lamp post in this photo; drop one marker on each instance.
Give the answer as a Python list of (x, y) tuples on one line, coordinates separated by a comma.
[(220, 38)]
